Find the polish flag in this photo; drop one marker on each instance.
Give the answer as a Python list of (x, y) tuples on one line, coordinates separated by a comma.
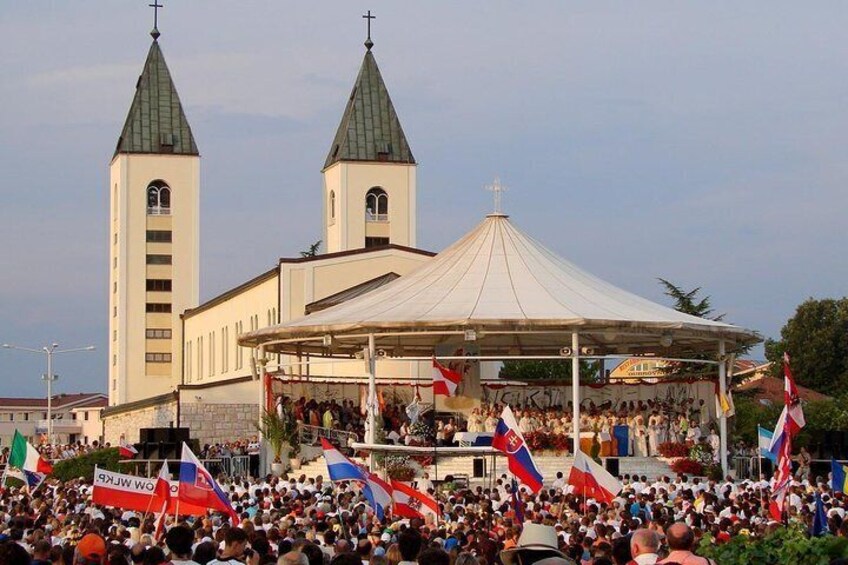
[(591, 479), (162, 490), (411, 503), (445, 380), (126, 450)]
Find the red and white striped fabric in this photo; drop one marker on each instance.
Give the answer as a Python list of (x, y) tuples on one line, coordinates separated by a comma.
[(126, 450), (591, 480), (794, 411), (410, 503), (445, 381)]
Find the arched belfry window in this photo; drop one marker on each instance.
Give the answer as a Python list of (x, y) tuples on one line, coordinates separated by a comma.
[(376, 205), (158, 198), (332, 206)]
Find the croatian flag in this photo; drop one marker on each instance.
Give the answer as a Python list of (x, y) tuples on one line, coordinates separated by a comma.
[(592, 480), (792, 417), (411, 503), (379, 494), (508, 439), (445, 381), (340, 467), (198, 487)]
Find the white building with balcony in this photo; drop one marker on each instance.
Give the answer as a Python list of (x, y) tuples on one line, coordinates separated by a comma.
[(76, 417)]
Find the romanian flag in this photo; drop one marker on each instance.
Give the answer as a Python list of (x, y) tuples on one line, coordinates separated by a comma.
[(26, 458), (838, 476)]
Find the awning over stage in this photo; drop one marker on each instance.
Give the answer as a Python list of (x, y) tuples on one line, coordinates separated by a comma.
[(519, 298)]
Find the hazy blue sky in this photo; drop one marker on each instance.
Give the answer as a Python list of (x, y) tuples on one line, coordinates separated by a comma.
[(703, 142)]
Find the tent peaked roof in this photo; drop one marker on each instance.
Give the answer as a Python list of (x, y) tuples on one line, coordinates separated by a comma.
[(515, 292), (156, 121)]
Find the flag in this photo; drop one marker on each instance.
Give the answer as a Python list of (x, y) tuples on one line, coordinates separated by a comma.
[(508, 440), (838, 476), (26, 458), (517, 503), (126, 450), (198, 487), (724, 403), (410, 503), (819, 518), (163, 491), (445, 381), (378, 492), (589, 478), (163, 484), (339, 467), (764, 442), (794, 411), (29, 478), (777, 437), (129, 492)]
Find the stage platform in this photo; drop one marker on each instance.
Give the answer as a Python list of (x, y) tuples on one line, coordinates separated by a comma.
[(549, 465)]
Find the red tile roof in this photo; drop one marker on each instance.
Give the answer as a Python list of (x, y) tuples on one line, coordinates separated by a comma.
[(89, 399), (770, 388)]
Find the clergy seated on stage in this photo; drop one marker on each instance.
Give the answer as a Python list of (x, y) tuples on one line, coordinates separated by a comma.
[(629, 429)]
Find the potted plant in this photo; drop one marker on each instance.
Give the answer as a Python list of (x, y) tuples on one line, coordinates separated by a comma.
[(274, 430), (291, 435)]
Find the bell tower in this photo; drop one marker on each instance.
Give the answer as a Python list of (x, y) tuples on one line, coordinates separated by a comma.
[(154, 189), (370, 173)]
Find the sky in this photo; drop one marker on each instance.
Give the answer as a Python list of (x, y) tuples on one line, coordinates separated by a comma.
[(701, 142)]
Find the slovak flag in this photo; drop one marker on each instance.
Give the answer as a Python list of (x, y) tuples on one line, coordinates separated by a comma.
[(340, 467), (126, 450), (411, 503), (445, 381), (592, 480), (198, 487), (378, 492), (508, 439)]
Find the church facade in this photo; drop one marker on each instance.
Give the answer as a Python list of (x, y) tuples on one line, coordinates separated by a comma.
[(175, 361)]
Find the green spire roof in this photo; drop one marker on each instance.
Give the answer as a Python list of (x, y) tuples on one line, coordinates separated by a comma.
[(370, 129), (156, 122)]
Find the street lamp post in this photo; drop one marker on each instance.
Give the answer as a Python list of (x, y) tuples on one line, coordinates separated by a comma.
[(49, 350)]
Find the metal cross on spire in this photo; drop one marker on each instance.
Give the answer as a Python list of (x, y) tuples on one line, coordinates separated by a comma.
[(156, 5), (367, 17), (497, 190)]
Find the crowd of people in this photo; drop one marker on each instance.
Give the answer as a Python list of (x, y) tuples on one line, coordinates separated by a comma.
[(298, 520)]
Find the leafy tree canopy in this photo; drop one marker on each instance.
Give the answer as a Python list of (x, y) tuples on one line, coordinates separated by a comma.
[(816, 338)]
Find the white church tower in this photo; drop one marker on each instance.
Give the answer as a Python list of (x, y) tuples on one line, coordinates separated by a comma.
[(369, 174), (154, 192)]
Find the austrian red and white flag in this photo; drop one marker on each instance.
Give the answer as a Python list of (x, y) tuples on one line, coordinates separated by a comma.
[(592, 480), (126, 450), (411, 503), (445, 381)]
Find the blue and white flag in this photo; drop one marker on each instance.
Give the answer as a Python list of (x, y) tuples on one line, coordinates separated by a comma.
[(764, 442)]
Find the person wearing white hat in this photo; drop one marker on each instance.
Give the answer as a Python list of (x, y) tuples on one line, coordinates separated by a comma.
[(537, 545)]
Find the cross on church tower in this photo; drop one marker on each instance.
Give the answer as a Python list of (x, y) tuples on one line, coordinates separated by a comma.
[(367, 17), (156, 5), (497, 190)]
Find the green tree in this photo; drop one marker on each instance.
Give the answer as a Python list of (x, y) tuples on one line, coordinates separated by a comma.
[(816, 338), (548, 370), (688, 302), (313, 250)]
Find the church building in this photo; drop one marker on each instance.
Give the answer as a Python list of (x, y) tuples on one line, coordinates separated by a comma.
[(175, 361)]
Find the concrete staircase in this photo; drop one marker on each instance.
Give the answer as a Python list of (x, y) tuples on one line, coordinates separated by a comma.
[(549, 465)]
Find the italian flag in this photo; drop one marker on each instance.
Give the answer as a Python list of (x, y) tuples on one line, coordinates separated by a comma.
[(25, 457)]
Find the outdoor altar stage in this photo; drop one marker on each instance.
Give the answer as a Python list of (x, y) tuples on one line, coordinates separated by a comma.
[(484, 465)]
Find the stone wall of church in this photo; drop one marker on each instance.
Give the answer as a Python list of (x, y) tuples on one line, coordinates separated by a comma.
[(130, 422), (218, 423)]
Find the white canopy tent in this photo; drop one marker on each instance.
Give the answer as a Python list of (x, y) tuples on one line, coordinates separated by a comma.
[(514, 298)]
